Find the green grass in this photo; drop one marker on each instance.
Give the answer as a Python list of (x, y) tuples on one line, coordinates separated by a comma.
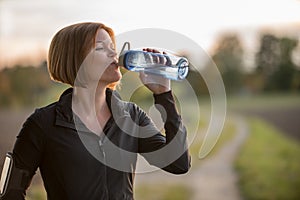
[(228, 132), (174, 191), (163, 192), (36, 192), (269, 164)]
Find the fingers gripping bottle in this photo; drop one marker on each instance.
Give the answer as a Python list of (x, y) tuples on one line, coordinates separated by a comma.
[(166, 65)]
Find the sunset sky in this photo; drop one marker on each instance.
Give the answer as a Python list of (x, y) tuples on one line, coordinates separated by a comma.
[(27, 26)]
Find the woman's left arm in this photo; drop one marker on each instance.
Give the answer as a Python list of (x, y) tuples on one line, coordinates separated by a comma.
[(169, 152)]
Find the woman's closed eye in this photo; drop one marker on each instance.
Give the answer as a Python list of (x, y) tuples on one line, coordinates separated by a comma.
[(101, 46)]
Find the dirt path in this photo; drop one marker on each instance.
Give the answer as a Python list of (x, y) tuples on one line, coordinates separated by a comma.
[(214, 178)]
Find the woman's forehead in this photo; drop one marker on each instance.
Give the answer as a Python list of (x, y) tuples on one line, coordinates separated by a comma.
[(102, 35)]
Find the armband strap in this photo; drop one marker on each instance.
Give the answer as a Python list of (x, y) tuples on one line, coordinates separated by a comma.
[(12, 178)]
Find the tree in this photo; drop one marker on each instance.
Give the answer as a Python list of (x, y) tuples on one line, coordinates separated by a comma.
[(274, 62), (228, 57), (283, 77)]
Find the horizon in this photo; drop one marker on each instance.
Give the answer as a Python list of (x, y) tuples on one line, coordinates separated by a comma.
[(39, 54)]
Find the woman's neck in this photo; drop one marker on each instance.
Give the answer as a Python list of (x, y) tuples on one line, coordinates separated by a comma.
[(89, 99), (90, 105)]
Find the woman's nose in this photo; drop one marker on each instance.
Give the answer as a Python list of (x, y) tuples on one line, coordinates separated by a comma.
[(112, 53)]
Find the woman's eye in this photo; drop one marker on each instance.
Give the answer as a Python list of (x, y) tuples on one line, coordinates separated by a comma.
[(99, 48), (102, 48)]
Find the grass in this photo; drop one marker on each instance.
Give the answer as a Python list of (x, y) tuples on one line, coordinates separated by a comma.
[(36, 192), (228, 132), (158, 191), (174, 191), (269, 164)]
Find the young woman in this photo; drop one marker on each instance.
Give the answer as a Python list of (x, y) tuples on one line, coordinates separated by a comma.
[(86, 143)]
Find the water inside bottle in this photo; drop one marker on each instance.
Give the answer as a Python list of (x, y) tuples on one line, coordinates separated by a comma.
[(168, 66)]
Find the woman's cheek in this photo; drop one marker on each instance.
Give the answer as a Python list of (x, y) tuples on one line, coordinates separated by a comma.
[(95, 65)]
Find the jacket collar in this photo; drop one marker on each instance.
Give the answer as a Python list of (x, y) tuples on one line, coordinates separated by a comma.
[(65, 116)]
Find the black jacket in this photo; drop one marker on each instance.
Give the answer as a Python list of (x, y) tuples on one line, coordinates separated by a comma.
[(78, 164)]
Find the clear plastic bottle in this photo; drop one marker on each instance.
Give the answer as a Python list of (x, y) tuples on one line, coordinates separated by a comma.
[(166, 65)]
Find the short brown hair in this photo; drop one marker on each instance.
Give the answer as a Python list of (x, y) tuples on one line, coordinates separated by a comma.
[(69, 47)]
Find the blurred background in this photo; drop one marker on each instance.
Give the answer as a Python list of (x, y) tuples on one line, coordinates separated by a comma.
[(255, 45)]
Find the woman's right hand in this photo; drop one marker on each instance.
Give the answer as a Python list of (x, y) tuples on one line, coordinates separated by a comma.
[(155, 83)]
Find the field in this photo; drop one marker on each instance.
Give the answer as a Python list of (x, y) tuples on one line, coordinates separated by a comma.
[(10, 124), (285, 119), (268, 164), (281, 110)]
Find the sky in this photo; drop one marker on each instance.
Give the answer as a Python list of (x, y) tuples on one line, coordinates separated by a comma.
[(27, 26)]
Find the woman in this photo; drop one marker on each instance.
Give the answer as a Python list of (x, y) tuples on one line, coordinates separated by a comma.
[(86, 143)]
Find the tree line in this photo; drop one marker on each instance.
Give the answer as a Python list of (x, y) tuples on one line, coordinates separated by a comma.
[(25, 86), (274, 71)]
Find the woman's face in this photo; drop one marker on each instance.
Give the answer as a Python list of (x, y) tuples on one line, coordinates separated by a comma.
[(100, 65)]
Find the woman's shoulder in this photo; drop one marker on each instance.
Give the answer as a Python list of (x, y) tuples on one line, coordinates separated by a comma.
[(40, 119), (49, 111), (45, 113)]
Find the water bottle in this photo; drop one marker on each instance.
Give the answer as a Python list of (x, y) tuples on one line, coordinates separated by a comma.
[(166, 65)]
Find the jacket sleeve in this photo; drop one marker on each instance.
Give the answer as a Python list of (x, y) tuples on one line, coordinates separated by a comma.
[(26, 155), (170, 151)]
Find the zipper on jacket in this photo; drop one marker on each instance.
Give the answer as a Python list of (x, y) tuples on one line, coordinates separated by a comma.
[(104, 163)]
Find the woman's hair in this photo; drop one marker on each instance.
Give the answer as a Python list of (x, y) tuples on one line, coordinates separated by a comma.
[(70, 46)]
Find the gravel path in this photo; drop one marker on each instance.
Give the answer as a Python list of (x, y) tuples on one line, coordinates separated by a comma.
[(214, 178)]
